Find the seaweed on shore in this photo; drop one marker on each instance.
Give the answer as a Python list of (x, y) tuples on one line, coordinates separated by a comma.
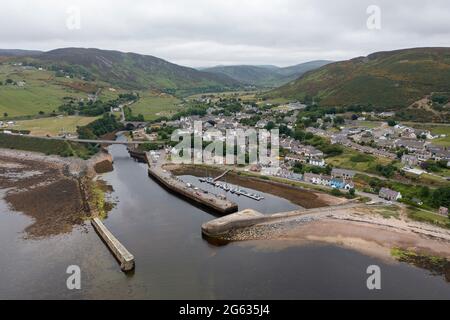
[(436, 265)]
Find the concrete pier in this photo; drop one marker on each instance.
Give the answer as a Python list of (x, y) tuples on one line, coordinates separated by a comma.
[(125, 258), (222, 206), (248, 218)]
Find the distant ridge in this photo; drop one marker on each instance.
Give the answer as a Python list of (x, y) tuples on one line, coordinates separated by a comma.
[(266, 75)]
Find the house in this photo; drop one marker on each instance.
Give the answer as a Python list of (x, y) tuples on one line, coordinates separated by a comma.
[(342, 173), (389, 194), (410, 144), (295, 158), (311, 152), (443, 211), (410, 160), (317, 179), (317, 162)]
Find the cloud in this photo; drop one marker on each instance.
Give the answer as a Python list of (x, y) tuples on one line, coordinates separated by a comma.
[(204, 32)]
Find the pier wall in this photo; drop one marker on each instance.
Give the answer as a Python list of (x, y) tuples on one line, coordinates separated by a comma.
[(125, 258), (207, 200), (248, 218)]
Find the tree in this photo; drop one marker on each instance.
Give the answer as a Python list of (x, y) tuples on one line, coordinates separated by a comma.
[(339, 120), (270, 125), (5, 114), (392, 123), (352, 192), (441, 197)]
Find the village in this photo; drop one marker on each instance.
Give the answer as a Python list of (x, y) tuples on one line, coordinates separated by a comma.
[(412, 150)]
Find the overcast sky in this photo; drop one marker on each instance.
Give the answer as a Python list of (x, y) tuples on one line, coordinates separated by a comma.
[(212, 32)]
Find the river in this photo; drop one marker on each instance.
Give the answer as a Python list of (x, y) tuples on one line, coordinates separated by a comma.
[(173, 261)]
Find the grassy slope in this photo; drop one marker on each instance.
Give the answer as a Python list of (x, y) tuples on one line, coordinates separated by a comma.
[(392, 79), (345, 161), (62, 148), (42, 92), (153, 106), (53, 126)]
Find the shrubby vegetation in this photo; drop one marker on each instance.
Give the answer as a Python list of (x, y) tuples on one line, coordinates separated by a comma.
[(106, 124), (55, 147)]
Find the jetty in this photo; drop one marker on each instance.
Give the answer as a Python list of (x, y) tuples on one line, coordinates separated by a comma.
[(217, 203), (125, 258)]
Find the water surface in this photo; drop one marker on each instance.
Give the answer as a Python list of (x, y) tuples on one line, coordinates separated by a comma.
[(174, 262)]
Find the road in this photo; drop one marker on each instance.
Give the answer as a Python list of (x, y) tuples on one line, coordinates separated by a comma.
[(86, 140)]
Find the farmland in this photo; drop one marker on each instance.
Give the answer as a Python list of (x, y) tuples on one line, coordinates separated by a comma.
[(153, 106), (42, 92), (54, 125)]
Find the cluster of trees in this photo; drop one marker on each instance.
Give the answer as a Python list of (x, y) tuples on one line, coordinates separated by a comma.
[(164, 132), (386, 171), (104, 125), (97, 108), (8, 81), (434, 166), (90, 109), (303, 168), (330, 150), (228, 107), (193, 110), (130, 117)]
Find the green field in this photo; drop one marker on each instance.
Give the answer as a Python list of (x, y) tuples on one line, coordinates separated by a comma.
[(53, 126), (441, 130), (436, 130), (42, 92), (366, 163), (153, 106)]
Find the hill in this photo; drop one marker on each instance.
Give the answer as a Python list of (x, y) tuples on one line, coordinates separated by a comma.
[(393, 79), (18, 52), (131, 70), (265, 76)]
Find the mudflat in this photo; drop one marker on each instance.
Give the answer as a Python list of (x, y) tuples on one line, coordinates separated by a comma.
[(47, 191)]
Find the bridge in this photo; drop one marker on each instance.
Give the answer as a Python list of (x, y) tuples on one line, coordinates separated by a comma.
[(125, 142)]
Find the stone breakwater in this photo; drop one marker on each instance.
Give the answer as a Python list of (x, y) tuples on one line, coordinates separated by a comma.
[(208, 200)]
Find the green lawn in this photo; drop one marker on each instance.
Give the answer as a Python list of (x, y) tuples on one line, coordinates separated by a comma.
[(53, 126), (436, 129), (153, 106), (347, 161)]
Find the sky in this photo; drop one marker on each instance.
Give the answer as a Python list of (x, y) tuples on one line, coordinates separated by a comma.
[(201, 33)]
